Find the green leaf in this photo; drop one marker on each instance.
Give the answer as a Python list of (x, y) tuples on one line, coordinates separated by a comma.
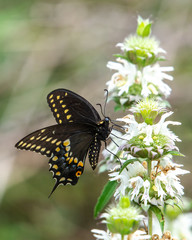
[(175, 153), (127, 163), (158, 213), (105, 196)]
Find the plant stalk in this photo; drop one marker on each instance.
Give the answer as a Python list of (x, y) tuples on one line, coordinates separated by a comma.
[(150, 219)]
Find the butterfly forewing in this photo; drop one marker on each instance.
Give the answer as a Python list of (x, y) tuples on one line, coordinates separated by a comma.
[(42, 141), (68, 107)]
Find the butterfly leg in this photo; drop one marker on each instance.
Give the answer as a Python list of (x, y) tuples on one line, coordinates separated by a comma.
[(112, 153)]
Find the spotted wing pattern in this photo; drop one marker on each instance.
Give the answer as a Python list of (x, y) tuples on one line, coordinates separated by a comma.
[(67, 149), (67, 161), (42, 141), (68, 107)]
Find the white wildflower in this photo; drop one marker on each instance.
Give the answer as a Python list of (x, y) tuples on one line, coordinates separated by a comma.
[(134, 129), (145, 197), (124, 78), (127, 176)]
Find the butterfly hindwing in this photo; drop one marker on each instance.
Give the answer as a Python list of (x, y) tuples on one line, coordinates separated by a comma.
[(67, 161), (68, 107)]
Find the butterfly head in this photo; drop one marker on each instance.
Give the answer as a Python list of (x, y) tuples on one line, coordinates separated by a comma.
[(104, 129)]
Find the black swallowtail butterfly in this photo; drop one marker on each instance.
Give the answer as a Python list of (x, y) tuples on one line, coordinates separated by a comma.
[(79, 132)]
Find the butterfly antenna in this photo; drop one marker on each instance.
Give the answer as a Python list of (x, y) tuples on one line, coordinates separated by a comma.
[(101, 109)]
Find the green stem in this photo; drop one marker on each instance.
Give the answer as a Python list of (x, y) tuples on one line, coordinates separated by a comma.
[(150, 219), (122, 237), (150, 222)]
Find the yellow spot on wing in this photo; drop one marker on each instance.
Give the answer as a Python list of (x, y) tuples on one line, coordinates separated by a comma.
[(43, 130), (34, 145), (38, 138), (68, 116), (55, 166), (58, 97), (53, 105), (66, 154), (58, 173), (28, 145), (48, 151), (67, 149), (48, 139), (66, 110), (62, 179), (24, 144), (75, 160), (60, 121), (43, 138), (52, 100), (55, 109), (32, 138), (50, 96), (54, 141), (43, 149), (80, 164), (57, 149), (61, 101), (66, 94), (38, 147), (20, 143), (58, 115), (55, 158), (58, 143), (71, 160), (66, 142), (63, 106), (78, 174)]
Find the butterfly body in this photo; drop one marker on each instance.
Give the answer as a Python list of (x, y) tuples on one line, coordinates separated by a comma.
[(79, 132)]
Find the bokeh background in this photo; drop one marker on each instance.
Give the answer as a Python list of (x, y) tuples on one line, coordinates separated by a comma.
[(45, 45)]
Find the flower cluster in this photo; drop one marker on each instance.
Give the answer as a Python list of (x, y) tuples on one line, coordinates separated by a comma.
[(149, 140), (142, 165), (138, 74)]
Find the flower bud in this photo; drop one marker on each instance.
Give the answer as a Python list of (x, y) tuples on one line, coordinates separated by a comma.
[(124, 202), (172, 212), (144, 27), (141, 51), (147, 111), (122, 220)]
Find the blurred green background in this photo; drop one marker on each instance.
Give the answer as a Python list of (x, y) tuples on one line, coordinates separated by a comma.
[(49, 44)]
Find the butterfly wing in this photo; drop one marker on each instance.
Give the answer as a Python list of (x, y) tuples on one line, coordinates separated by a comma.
[(67, 162), (66, 145), (68, 107), (42, 141)]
